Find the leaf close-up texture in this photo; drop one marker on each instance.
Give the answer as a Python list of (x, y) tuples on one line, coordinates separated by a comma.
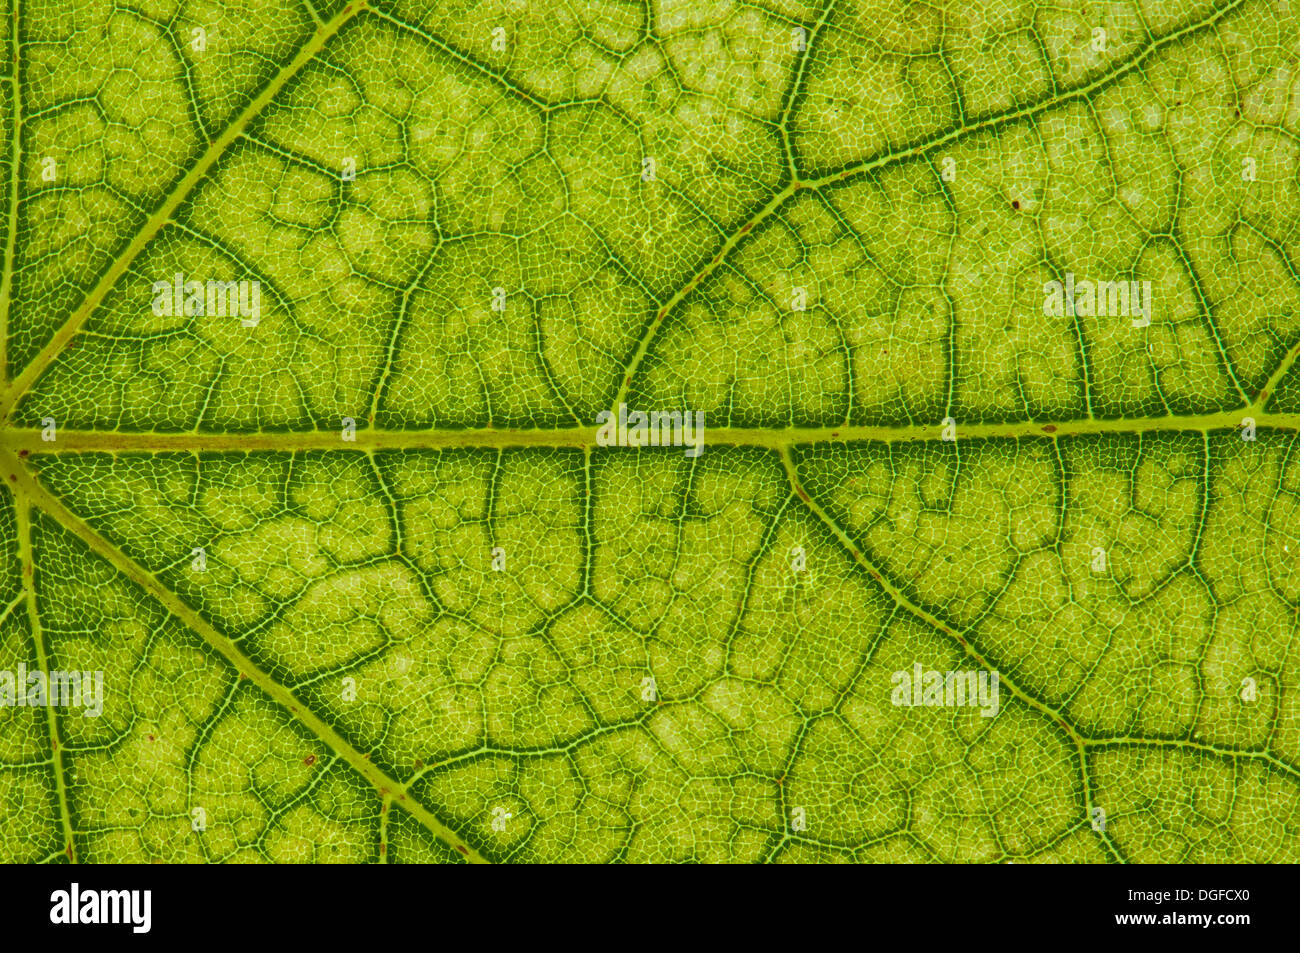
[(677, 431)]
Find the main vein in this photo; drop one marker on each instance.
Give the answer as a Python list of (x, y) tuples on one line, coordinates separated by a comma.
[(33, 440)]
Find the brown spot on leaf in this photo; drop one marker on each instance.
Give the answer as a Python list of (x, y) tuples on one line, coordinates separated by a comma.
[(309, 760)]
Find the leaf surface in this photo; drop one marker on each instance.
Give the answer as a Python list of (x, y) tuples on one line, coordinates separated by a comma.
[(365, 584)]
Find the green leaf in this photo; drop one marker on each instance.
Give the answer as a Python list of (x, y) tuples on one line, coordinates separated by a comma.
[(365, 581)]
